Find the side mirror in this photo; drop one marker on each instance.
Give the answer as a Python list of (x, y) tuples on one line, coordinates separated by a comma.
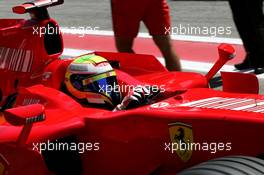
[(36, 5), (25, 116), (226, 52)]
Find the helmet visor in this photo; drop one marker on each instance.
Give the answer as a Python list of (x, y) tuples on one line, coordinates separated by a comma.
[(101, 84)]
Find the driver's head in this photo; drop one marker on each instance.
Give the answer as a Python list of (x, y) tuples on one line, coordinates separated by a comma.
[(92, 78)]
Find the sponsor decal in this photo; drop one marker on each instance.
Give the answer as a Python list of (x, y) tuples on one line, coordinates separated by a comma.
[(46, 76), (160, 105), (181, 133), (30, 101), (234, 104), (18, 60)]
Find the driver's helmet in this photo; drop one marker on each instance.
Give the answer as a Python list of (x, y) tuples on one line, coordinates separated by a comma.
[(92, 78)]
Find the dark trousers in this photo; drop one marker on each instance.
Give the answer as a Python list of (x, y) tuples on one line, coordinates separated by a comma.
[(249, 19)]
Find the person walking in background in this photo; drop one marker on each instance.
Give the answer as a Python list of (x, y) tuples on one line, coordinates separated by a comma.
[(248, 17), (127, 15)]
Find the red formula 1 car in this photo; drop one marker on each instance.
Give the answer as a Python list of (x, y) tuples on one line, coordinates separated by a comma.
[(45, 131)]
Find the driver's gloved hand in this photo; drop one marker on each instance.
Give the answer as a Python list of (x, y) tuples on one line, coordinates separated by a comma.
[(152, 93), (140, 95)]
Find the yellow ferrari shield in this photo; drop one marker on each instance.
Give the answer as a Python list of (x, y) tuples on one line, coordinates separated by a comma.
[(3, 165), (2, 119), (182, 137), (2, 169)]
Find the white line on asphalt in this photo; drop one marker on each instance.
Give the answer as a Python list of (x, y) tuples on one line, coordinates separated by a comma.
[(82, 33), (75, 52)]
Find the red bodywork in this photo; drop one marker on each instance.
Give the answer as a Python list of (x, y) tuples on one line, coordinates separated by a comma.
[(132, 141)]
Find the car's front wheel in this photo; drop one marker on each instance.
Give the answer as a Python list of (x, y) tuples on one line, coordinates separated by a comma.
[(235, 165)]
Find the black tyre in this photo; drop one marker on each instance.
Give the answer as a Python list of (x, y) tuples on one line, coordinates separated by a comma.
[(235, 165)]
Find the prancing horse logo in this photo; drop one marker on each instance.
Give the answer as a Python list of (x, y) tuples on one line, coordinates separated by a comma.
[(182, 136), (4, 165)]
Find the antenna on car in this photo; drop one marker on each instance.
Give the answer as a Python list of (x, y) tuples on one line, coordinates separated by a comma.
[(37, 9)]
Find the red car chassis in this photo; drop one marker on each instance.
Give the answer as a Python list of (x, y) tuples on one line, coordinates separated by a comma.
[(39, 117)]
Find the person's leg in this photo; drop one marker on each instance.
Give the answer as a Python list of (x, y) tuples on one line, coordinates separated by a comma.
[(171, 59), (126, 23), (257, 18), (242, 20), (124, 44), (248, 16), (157, 20)]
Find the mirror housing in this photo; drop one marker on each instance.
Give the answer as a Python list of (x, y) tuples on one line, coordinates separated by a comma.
[(25, 116), (226, 53), (36, 5)]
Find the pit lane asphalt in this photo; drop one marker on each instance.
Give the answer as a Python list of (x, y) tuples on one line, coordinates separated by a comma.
[(96, 13)]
